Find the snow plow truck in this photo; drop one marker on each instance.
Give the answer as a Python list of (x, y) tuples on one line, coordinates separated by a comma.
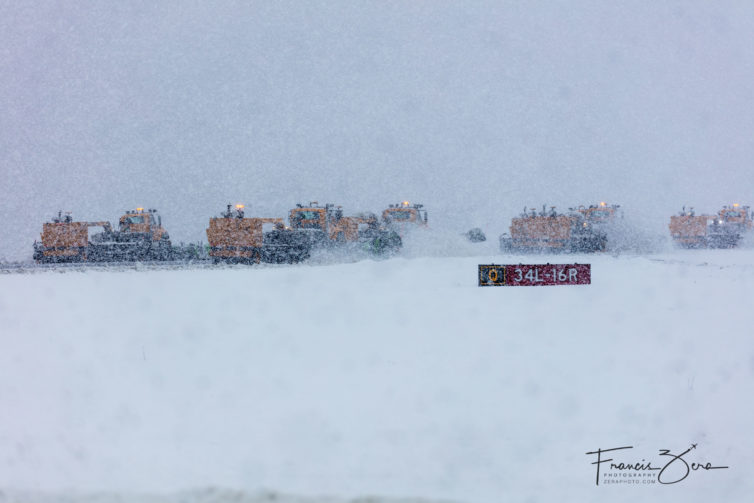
[(404, 217), (234, 238), (405, 213), (724, 230), (552, 232), (140, 237), (327, 227)]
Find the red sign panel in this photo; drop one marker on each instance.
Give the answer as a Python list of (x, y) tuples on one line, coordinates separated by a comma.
[(535, 274)]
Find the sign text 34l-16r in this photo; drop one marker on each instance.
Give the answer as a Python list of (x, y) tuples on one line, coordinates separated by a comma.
[(534, 274)]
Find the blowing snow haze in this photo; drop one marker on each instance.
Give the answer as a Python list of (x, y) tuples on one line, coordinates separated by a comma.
[(475, 110)]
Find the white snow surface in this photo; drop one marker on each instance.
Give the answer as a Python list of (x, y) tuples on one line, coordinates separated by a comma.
[(397, 380)]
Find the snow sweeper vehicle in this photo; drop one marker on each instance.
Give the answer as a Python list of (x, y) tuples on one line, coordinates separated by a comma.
[(724, 230), (405, 213), (609, 220), (235, 238), (552, 232), (326, 227), (404, 217), (140, 237)]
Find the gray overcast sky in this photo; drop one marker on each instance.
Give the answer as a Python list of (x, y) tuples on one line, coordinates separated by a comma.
[(473, 108)]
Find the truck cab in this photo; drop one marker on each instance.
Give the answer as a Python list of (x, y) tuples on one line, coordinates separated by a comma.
[(405, 215), (736, 215), (140, 221), (599, 214), (327, 220)]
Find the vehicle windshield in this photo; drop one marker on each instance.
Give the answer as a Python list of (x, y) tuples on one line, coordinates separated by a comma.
[(401, 215), (306, 220), (135, 220), (307, 215), (732, 214), (600, 214)]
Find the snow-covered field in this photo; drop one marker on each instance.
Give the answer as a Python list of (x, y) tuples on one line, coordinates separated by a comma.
[(392, 379)]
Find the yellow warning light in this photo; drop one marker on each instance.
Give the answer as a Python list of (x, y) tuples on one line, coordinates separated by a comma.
[(406, 203), (735, 205), (603, 204), (239, 206), (139, 209)]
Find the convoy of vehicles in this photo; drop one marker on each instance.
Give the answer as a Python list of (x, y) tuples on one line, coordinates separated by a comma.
[(235, 238)]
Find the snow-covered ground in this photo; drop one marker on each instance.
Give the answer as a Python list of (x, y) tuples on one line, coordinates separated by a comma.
[(398, 378), (206, 495)]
